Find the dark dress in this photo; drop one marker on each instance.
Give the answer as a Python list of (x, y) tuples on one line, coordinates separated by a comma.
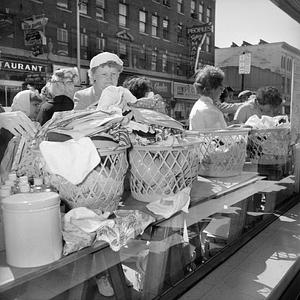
[(58, 103)]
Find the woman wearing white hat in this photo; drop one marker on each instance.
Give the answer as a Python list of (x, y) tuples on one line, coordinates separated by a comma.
[(104, 71)]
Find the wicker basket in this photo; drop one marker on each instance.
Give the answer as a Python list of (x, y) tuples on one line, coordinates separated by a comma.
[(269, 146), (221, 153), (158, 171), (102, 188)]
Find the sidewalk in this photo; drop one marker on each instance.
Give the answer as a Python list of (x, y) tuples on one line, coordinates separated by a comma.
[(262, 269)]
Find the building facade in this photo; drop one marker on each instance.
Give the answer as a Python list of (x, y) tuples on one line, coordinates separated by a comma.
[(151, 37), (271, 64)]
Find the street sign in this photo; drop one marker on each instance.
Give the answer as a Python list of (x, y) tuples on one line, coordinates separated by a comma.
[(245, 63)]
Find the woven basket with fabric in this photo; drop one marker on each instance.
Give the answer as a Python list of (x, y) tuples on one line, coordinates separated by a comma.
[(102, 188), (157, 171), (269, 146), (221, 153)]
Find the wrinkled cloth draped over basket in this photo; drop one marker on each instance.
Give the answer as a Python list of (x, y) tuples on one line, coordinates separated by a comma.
[(73, 159)]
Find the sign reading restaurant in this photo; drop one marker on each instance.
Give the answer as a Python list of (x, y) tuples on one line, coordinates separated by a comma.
[(10, 65)]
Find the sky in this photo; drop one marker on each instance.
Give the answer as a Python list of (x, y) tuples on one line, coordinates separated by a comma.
[(252, 20)]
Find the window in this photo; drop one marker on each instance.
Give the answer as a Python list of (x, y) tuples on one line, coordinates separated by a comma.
[(83, 40), (122, 49), (283, 84), (62, 42), (83, 7), (142, 58), (166, 28), (208, 15), (178, 67), (100, 43), (154, 29), (123, 52), (142, 21), (180, 6), (166, 2), (283, 62), (288, 85), (84, 45), (62, 3), (100, 9), (154, 60), (179, 33), (289, 64), (62, 35), (208, 44), (164, 63), (200, 14), (122, 14), (193, 8)]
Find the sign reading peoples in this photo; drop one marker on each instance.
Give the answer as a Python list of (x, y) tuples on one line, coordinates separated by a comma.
[(197, 36)]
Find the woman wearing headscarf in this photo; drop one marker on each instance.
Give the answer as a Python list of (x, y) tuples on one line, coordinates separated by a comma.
[(21, 121), (209, 85), (105, 69), (62, 88)]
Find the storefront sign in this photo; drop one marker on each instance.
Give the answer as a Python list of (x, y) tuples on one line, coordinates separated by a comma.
[(34, 22), (9, 65), (197, 35), (200, 29), (184, 91), (34, 28), (164, 88)]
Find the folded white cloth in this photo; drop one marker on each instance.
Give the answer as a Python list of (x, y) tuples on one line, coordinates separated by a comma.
[(115, 98), (169, 205), (73, 159)]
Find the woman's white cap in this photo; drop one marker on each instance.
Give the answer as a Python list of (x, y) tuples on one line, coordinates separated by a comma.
[(103, 58)]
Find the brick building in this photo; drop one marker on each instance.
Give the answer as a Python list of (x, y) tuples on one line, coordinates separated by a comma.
[(151, 37), (271, 64)]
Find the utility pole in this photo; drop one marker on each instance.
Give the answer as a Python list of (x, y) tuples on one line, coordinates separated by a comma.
[(78, 2), (243, 82)]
